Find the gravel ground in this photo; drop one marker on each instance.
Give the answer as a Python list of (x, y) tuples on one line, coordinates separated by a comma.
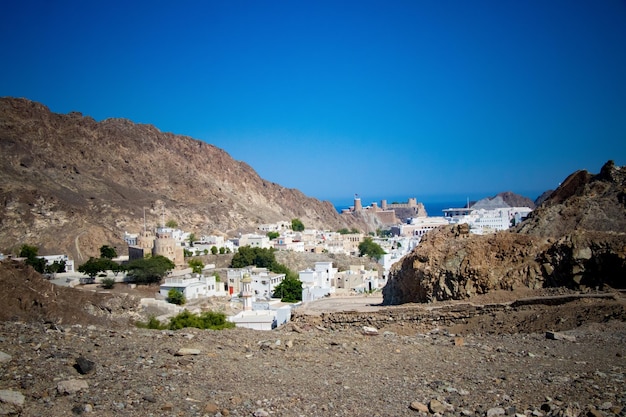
[(69, 352), (309, 371)]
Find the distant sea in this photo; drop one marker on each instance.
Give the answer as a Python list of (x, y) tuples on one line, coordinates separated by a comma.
[(434, 205)]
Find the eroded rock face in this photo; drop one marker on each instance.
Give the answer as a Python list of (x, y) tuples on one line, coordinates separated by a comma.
[(577, 238), (71, 184)]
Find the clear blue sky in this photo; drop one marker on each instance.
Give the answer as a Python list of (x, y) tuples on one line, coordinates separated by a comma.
[(381, 98)]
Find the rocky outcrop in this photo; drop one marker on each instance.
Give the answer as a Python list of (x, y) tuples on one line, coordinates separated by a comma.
[(582, 202), (576, 239), (71, 184), (505, 199)]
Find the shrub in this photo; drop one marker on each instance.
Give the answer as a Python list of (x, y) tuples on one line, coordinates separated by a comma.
[(152, 323), (176, 297), (207, 320), (108, 283)]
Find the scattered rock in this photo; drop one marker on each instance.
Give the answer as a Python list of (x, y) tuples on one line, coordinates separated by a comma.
[(4, 357), (187, 351), (11, 397), (71, 386), (419, 406), (369, 331), (436, 406), (211, 408), (84, 365), (560, 336), (495, 412)]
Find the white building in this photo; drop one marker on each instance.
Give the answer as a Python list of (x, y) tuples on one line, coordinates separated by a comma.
[(419, 226), (259, 316), (50, 259), (255, 241), (287, 242), (275, 227), (484, 221), (262, 281), (193, 287), (318, 282), (358, 279)]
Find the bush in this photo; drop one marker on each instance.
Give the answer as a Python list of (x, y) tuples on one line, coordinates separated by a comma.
[(176, 297), (108, 283), (152, 323), (207, 320)]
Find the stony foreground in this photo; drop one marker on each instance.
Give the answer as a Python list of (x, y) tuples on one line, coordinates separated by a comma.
[(309, 370)]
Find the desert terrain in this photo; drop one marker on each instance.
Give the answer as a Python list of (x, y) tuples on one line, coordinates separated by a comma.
[(72, 352)]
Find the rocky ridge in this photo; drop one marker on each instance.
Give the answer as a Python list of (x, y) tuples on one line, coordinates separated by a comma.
[(70, 184), (576, 239)]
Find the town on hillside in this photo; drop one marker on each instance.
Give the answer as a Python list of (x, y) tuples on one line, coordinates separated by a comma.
[(260, 292)]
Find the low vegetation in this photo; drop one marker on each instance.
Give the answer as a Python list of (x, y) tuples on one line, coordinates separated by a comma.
[(108, 283), (208, 320), (176, 297)]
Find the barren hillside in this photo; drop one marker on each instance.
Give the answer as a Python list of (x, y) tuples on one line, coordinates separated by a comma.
[(70, 184)]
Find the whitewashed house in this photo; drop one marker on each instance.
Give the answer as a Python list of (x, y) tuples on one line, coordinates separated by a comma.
[(255, 241), (193, 287), (358, 279), (318, 282)]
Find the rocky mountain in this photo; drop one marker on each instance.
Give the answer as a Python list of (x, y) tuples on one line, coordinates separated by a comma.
[(70, 184), (576, 239), (502, 200)]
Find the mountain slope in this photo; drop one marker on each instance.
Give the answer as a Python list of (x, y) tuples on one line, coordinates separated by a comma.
[(71, 184), (576, 239)]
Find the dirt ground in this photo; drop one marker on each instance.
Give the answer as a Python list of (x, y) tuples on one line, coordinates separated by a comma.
[(75, 352)]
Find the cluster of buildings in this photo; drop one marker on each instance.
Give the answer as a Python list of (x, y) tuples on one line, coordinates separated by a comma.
[(253, 288)]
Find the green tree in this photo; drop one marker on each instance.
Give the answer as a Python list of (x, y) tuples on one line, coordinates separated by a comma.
[(149, 270), (176, 297), (205, 251), (224, 250), (343, 231), (38, 264), (117, 268), (107, 252), (94, 266), (273, 235), (297, 225), (55, 267), (260, 257), (28, 251), (191, 238), (196, 265), (171, 223), (214, 250), (289, 290), (370, 248), (187, 253), (217, 277)]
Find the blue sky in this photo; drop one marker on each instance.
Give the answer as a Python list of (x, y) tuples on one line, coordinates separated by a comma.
[(380, 98)]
